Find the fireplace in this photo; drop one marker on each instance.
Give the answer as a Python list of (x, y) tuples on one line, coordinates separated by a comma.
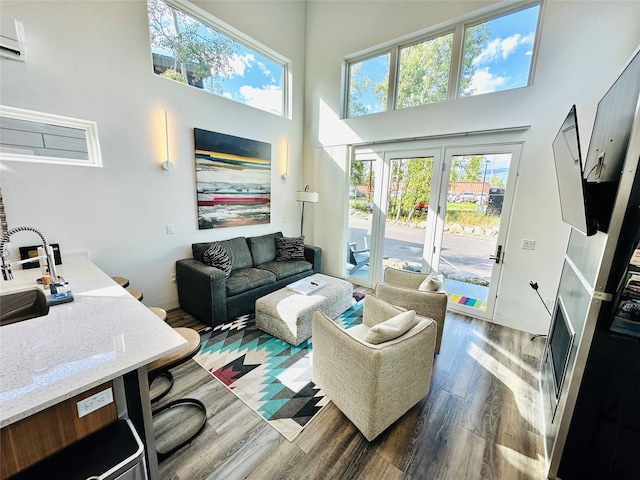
[(557, 352)]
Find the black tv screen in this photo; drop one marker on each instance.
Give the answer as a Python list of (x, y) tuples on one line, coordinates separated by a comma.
[(609, 141), (574, 203)]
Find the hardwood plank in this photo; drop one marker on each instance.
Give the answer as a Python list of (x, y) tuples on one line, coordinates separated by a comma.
[(466, 452), (479, 421), (434, 442)]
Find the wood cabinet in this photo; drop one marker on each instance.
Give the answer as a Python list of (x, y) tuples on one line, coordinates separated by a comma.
[(38, 436)]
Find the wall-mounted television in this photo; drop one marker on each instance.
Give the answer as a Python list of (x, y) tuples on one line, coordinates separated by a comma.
[(609, 140), (574, 200), (587, 202)]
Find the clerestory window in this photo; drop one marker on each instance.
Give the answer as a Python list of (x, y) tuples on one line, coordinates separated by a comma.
[(466, 58), (190, 46)]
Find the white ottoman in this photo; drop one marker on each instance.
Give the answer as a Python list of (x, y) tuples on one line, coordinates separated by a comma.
[(289, 315)]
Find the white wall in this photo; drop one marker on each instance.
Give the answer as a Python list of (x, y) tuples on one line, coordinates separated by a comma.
[(91, 60), (583, 46)]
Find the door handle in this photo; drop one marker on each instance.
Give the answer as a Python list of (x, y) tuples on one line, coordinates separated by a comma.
[(498, 254)]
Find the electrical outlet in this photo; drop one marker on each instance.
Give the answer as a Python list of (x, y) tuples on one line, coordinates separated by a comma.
[(549, 302), (94, 402), (169, 228), (528, 244), (173, 278)]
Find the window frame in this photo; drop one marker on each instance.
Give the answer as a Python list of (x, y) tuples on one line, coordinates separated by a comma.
[(458, 26), (379, 53), (236, 35), (415, 41), (88, 126)]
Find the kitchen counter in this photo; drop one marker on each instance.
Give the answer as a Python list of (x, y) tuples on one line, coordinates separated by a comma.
[(103, 334)]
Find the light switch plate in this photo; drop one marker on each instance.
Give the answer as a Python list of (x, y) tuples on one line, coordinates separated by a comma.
[(95, 402), (528, 244)]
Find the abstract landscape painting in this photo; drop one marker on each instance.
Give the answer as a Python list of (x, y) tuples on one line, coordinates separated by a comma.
[(233, 180)]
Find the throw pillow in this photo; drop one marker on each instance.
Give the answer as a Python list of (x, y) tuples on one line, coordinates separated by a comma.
[(289, 248), (392, 328), (216, 256), (432, 283)]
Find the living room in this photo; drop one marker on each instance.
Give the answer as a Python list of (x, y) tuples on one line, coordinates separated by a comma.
[(91, 60)]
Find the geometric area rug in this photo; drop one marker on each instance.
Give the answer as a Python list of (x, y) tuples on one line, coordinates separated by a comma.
[(272, 377)]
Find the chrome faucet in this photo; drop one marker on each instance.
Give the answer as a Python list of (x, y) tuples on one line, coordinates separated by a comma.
[(56, 281)]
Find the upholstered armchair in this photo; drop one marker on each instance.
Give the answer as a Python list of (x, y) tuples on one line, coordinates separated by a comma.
[(374, 384), (423, 293)]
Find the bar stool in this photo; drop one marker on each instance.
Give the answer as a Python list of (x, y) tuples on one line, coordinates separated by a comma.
[(160, 368), (160, 312), (136, 293), (123, 282)]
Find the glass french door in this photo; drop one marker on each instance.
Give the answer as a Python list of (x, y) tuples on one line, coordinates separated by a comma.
[(386, 225), (363, 197), (441, 209), (475, 192)]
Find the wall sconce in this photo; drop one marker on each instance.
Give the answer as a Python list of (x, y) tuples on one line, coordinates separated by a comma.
[(166, 165), (306, 197), (284, 174)]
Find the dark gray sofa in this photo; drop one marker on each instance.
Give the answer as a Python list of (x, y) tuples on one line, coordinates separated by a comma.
[(204, 292)]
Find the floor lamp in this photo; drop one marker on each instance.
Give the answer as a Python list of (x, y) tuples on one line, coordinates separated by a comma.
[(306, 197)]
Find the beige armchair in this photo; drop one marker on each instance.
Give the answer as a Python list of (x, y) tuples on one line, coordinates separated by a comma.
[(373, 384), (400, 288)]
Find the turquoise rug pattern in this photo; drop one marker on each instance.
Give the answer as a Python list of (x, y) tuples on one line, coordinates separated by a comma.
[(269, 375)]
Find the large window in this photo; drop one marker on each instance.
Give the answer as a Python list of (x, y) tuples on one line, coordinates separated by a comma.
[(366, 81), (191, 49), (468, 58), (497, 53), (423, 76)]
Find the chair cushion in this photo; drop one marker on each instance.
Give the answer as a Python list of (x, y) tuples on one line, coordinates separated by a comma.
[(432, 283), (237, 249), (216, 256), (263, 248), (289, 248), (392, 328), (246, 279), (286, 269), (239, 253)]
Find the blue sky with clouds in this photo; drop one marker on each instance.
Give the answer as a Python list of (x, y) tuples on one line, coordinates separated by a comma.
[(505, 59), (503, 63), (254, 80)]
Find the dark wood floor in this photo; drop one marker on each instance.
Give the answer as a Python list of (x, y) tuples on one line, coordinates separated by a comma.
[(480, 420)]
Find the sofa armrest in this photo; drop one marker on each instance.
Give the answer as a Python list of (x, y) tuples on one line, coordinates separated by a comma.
[(313, 255), (202, 291)]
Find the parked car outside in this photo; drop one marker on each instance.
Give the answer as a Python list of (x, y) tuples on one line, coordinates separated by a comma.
[(467, 197), (422, 207)]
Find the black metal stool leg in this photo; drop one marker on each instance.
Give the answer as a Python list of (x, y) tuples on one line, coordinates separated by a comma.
[(179, 403), (167, 374)]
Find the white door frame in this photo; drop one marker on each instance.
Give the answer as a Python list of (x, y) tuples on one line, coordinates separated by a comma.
[(515, 149), (498, 141)]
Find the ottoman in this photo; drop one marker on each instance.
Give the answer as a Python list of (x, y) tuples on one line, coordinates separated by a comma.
[(288, 315)]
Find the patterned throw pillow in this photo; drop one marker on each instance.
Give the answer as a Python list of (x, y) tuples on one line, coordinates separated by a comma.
[(216, 256), (289, 248)]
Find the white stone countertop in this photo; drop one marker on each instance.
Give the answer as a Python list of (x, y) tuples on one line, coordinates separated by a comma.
[(104, 333)]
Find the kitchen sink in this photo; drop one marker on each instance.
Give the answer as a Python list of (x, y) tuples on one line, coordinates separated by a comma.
[(19, 306)]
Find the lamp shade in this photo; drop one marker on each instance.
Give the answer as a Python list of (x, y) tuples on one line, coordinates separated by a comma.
[(311, 197)]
